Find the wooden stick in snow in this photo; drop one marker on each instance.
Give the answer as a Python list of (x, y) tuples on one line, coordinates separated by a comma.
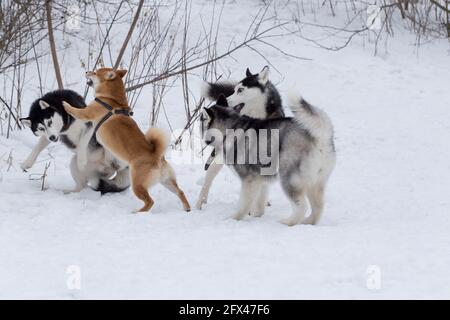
[(51, 38)]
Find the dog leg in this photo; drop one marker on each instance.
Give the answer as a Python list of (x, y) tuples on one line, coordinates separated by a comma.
[(142, 193), (168, 180), (30, 161), (94, 182), (172, 186), (316, 199), (299, 207), (77, 175), (261, 201), (211, 173), (87, 114), (248, 189), (83, 148), (140, 180), (293, 188)]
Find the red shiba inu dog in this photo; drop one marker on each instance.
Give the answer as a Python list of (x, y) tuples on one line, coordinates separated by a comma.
[(119, 133)]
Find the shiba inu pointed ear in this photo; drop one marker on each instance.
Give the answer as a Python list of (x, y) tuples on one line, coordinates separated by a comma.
[(222, 101), (43, 104), (110, 75), (26, 122), (263, 76), (248, 73), (121, 73)]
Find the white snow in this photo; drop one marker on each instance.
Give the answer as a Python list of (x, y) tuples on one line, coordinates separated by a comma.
[(387, 202)]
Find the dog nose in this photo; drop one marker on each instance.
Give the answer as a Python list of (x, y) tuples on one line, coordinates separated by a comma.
[(53, 138)]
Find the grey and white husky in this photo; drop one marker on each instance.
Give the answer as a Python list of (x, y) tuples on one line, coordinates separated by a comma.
[(304, 155), (92, 164), (254, 96)]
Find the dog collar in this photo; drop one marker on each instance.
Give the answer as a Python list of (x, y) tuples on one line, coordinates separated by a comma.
[(112, 111)]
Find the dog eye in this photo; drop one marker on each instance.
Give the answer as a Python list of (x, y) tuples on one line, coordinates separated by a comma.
[(240, 90)]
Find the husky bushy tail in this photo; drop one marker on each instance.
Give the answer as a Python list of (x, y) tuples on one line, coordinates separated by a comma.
[(313, 119), (212, 91), (158, 139)]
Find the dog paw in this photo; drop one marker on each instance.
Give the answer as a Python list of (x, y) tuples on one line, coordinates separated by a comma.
[(66, 106), (238, 216), (69, 191), (200, 203), (256, 214), (81, 163), (309, 220), (290, 222), (26, 165), (140, 211)]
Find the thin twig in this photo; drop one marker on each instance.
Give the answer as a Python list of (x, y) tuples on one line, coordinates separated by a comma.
[(214, 59)]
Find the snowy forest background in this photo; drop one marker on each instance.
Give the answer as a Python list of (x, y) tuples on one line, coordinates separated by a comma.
[(379, 68)]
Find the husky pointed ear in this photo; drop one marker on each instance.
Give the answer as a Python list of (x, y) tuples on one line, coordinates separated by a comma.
[(248, 73), (207, 114), (222, 101), (110, 75), (26, 122), (263, 76), (43, 104), (121, 73)]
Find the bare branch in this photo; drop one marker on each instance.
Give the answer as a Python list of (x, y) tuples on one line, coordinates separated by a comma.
[(214, 59), (130, 32), (440, 6), (51, 38)]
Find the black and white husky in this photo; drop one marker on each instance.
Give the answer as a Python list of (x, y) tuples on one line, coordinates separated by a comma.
[(301, 154), (94, 165), (254, 96)]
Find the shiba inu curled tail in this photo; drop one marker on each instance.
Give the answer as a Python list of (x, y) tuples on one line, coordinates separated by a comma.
[(158, 140)]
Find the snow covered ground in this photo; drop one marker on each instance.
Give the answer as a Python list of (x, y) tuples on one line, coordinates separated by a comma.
[(387, 213)]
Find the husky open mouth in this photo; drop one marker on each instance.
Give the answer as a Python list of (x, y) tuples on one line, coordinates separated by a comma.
[(239, 107), (89, 82)]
